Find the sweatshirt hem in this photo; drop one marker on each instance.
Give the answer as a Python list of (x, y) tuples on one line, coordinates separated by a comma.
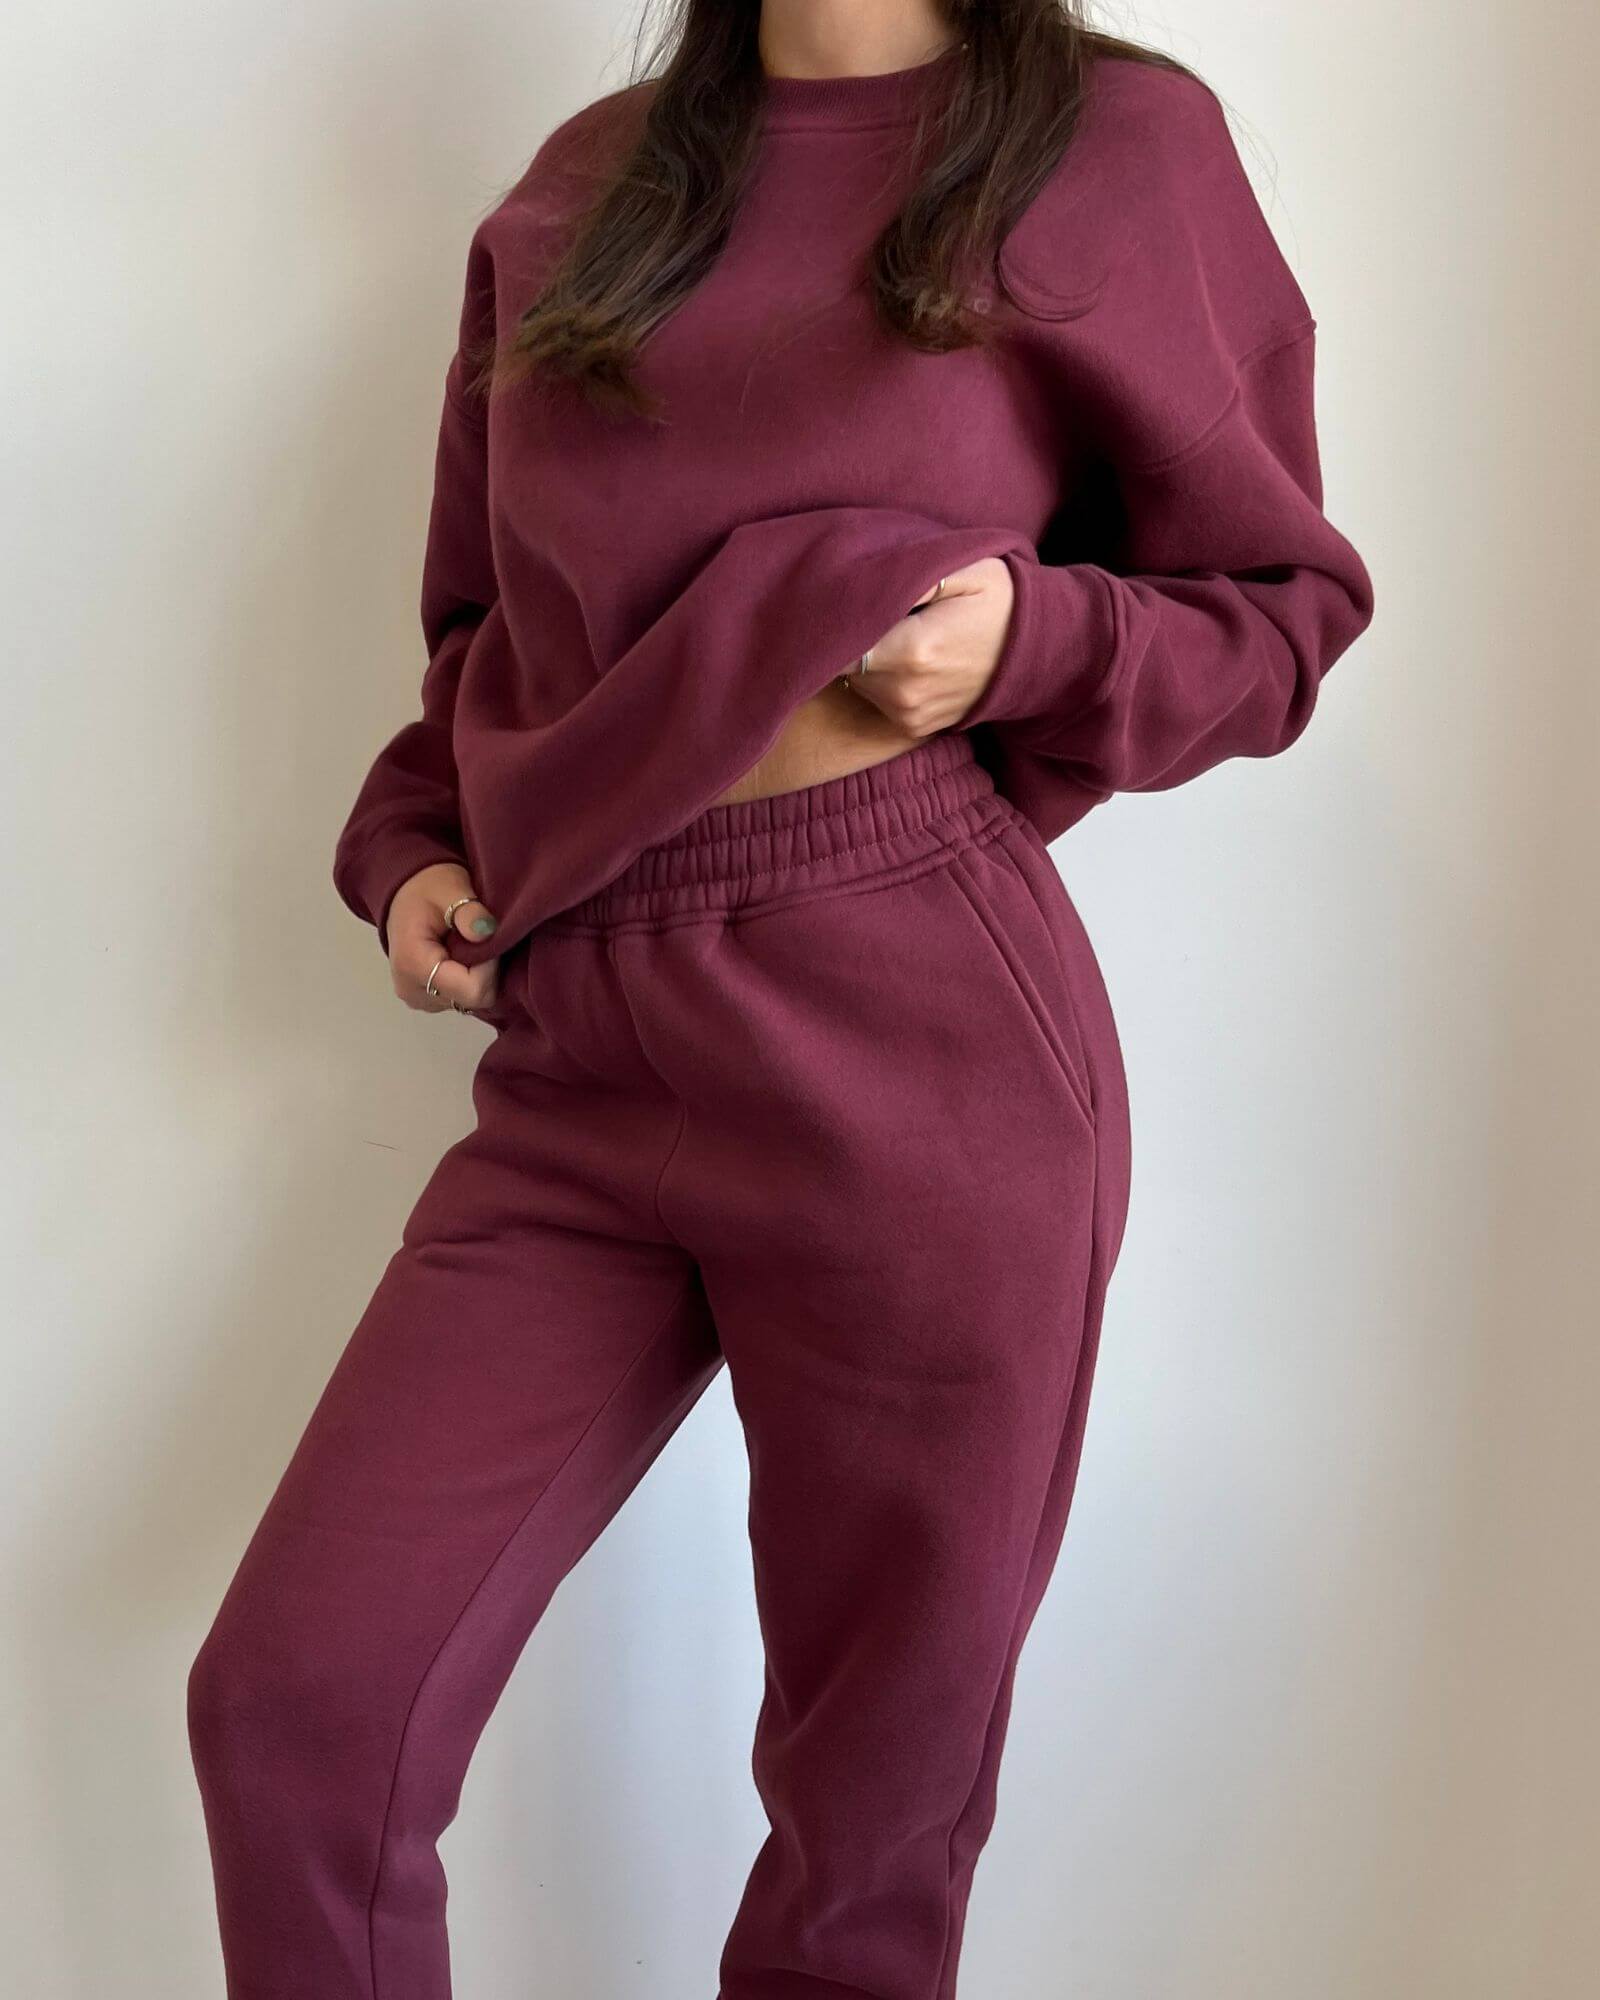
[(369, 884)]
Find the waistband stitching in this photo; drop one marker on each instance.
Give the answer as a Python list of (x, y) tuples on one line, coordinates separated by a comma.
[(908, 811), (577, 920), (738, 913)]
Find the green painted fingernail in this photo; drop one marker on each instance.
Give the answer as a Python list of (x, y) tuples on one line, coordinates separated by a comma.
[(483, 926)]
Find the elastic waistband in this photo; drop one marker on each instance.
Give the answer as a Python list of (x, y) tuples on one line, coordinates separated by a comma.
[(758, 849)]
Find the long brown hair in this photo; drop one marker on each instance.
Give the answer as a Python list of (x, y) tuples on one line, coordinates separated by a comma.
[(660, 216)]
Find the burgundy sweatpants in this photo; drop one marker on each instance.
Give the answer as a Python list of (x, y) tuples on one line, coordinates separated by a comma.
[(825, 1087)]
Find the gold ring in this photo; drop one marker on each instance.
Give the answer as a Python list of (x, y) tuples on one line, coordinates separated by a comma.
[(451, 908), (428, 987)]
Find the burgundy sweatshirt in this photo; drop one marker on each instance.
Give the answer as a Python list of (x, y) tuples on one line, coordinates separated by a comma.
[(620, 614)]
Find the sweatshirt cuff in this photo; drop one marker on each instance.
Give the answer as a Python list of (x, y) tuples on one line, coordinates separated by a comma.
[(369, 882), (1058, 646)]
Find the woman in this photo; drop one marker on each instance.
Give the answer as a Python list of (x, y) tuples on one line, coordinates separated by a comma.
[(869, 445)]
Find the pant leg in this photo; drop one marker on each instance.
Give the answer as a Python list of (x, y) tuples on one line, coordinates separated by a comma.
[(1083, 992), (904, 1172), (527, 1352)]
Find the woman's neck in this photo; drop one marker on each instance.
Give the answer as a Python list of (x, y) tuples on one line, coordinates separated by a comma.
[(823, 38)]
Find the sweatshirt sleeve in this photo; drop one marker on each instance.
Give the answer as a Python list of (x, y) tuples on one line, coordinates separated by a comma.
[(1221, 593), (407, 812)]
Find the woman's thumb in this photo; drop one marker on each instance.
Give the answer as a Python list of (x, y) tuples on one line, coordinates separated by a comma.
[(471, 919)]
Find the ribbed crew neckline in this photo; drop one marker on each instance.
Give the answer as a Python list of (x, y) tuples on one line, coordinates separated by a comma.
[(891, 97)]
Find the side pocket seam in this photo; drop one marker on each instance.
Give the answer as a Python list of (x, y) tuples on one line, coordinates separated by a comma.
[(966, 885), (1004, 839)]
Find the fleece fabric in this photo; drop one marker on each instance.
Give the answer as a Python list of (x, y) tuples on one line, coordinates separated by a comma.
[(824, 1088), (620, 613)]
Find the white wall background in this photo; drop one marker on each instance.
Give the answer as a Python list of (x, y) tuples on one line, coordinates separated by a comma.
[(1310, 1709)]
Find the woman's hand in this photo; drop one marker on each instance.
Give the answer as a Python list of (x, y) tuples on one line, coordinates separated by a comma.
[(927, 671), (422, 914)]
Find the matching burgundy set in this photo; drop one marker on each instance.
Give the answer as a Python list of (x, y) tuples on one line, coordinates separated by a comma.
[(823, 1087)]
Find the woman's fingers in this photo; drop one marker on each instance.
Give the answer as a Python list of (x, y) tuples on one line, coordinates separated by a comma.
[(479, 985), (929, 667), (959, 583), (458, 986), (921, 637), (431, 907), (464, 988), (424, 974)]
